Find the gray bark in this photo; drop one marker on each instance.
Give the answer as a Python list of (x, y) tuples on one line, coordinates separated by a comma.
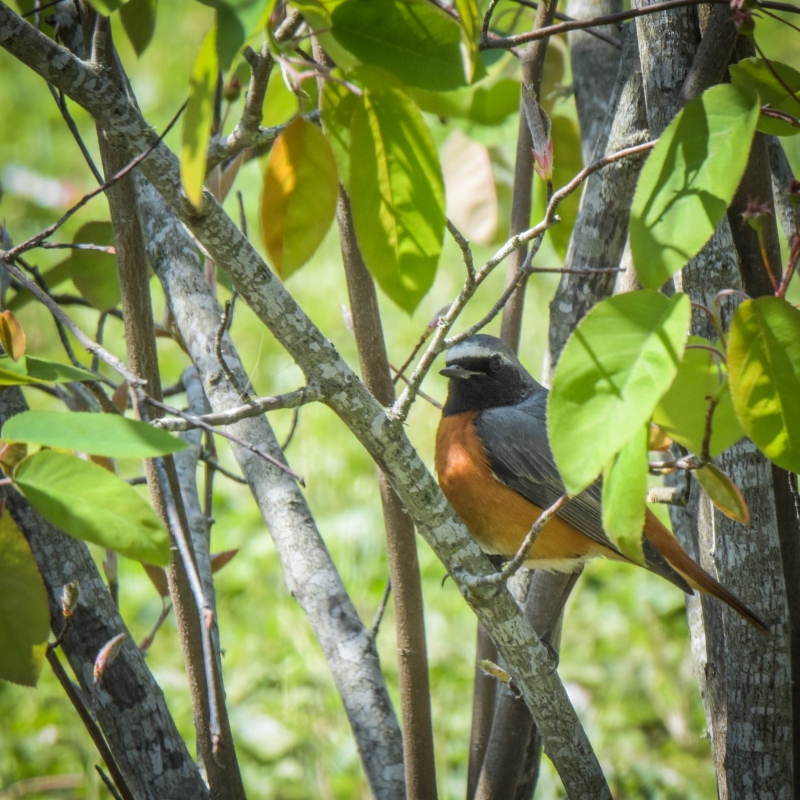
[(311, 575), (782, 177), (131, 708), (745, 678), (382, 437), (594, 69), (602, 224)]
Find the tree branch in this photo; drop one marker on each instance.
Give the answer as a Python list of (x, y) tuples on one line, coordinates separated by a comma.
[(256, 407)]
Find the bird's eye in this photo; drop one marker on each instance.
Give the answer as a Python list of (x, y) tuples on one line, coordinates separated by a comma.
[(495, 363)]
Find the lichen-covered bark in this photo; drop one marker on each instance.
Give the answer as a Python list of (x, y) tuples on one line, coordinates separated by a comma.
[(745, 678), (382, 437), (602, 224), (131, 708), (594, 69), (310, 573)]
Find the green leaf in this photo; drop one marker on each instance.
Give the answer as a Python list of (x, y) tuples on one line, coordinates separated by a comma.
[(753, 74), (625, 493), (567, 163), (397, 193), (280, 104), (230, 35), (470, 34), (91, 503), (337, 105), (616, 365), (723, 493), (95, 274), (487, 103), (24, 610), (40, 370), (689, 179), (107, 7), (317, 14), (414, 39), (681, 412), (139, 21), (97, 434), (299, 194), (197, 119), (764, 368)]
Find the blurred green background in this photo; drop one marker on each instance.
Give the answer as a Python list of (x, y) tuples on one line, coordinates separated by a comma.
[(625, 655)]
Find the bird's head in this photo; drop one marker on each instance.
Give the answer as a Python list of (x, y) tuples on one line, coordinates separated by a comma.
[(484, 373)]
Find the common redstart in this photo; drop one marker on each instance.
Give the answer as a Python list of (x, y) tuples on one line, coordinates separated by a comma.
[(496, 468)]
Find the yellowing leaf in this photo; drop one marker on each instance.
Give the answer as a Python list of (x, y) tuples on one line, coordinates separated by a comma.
[(298, 198), (197, 120), (24, 610), (12, 337), (723, 493)]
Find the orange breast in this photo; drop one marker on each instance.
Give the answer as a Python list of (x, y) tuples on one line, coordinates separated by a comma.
[(498, 517)]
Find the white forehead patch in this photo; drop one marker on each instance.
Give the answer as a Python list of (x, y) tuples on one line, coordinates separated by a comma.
[(472, 349)]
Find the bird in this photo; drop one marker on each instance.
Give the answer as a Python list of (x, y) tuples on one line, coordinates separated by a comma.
[(495, 466)]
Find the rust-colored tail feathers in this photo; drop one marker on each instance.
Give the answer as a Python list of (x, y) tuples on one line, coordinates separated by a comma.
[(695, 576)]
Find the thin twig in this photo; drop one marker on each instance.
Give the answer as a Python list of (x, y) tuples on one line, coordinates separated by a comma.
[(497, 578), (487, 19), (85, 341), (35, 241), (207, 458), (400, 376), (73, 128), (224, 324), (198, 423), (606, 37), (257, 406), (108, 782), (774, 72), (376, 622), (466, 250), (292, 429), (91, 726), (203, 607), (38, 8), (147, 642), (97, 248), (781, 115), (492, 43)]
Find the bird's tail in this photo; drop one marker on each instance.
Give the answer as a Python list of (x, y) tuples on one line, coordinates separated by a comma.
[(694, 575)]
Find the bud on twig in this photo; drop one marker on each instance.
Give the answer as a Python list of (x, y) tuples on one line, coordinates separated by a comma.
[(105, 657), (70, 597)]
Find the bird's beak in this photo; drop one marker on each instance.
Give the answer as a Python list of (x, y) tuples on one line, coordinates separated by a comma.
[(457, 373)]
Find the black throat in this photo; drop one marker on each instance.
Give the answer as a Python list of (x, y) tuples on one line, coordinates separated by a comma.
[(485, 391)]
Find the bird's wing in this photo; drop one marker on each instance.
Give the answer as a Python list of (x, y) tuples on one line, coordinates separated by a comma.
[(515, 440)]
